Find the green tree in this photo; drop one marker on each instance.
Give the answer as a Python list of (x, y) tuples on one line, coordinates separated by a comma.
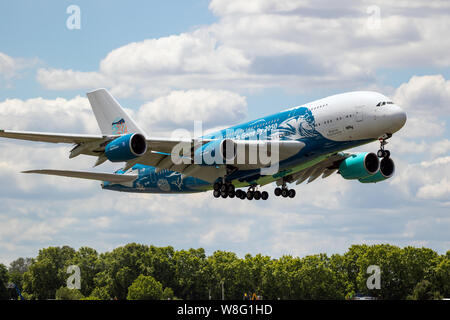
[(145, 288), (87, 260), (121, 267), (225, 267), (440, 276), (162, 262), (316, 280), (100, 293), (253, 277), (16, 270), (278, 278), (190, 274), (424, 291), (4, 279), (47, 273), (65, 293), (168, 294)]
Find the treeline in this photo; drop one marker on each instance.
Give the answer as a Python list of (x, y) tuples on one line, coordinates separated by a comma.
[(137, 271)]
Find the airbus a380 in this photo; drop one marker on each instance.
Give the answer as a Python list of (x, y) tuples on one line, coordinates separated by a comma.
[(295, 145)]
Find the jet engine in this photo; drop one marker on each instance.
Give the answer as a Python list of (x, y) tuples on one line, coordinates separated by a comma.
[(126, 147)]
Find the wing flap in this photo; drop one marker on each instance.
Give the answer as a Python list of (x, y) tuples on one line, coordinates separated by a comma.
[(111, 177)]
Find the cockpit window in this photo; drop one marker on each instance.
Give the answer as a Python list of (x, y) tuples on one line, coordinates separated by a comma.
[(384, 103)]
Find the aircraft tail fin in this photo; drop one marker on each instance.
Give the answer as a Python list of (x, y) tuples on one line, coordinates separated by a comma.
[(111, 117)]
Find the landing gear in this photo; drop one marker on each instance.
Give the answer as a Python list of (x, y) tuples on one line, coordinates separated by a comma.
[(284, 192), (256, 194), (227, 190), (382, 153)]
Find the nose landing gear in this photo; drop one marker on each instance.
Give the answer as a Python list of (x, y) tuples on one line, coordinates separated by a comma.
[(382, 153)]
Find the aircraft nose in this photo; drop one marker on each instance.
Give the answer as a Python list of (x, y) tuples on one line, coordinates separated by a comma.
[(398, 118)]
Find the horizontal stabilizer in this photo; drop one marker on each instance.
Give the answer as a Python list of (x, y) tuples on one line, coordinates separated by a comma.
[(50, 137), (111, 177)]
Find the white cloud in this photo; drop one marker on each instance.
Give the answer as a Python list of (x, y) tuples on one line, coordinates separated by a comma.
[(48, 115), (425, 95), (185, 53), (436, 190), (11, 67), (258, 44), (425, 180), (179, 109), (8, 66), (56, 79)]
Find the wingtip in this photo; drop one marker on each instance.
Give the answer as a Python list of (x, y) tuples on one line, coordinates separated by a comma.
[(30, 171)]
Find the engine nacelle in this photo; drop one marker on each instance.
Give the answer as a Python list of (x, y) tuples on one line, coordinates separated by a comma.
[(126, 147), (387, 169), (359, 166), (216, 152), (251, 154)]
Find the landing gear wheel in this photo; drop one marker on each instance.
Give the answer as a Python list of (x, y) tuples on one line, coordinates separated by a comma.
[(224, 194), (217, 186), (380, 153), (277, 192), (249, 195), (291, 193), (238, 193), (243, 195), (216, 193), (387, 154), (284, 193), (231, 194), (264, 195), (257, 195)]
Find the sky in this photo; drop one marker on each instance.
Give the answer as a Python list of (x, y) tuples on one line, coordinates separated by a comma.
[(221, 62)]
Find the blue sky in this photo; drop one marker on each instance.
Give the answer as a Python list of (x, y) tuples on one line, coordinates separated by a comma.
[(223, 62)]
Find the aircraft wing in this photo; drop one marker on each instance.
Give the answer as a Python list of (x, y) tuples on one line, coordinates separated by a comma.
[(158, 151), (111, 177)]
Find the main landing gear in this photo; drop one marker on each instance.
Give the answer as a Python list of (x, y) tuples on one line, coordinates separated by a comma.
[(227, 190), (284, 192)]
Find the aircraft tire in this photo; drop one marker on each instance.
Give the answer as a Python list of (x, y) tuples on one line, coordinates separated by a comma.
[(264, 195), (277, 192), (291, 193)]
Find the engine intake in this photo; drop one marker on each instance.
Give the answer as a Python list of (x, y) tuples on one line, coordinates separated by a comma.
[(387, 169)]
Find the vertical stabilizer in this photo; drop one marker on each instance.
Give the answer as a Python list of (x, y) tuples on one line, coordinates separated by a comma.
[(111, 117)]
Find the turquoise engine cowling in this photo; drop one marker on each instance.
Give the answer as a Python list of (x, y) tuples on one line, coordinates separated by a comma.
[(387, 169), (126, 147), (359, 166)]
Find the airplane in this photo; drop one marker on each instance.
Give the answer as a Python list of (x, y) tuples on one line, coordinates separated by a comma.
[(295, 145)]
